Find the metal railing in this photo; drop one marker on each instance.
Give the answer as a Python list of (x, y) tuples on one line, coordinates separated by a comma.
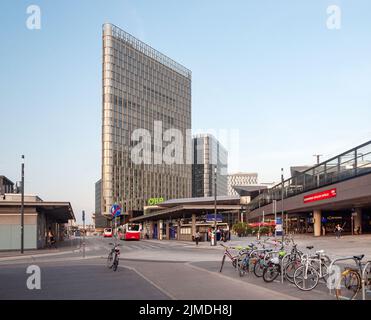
[(144, 48), (350, 164)]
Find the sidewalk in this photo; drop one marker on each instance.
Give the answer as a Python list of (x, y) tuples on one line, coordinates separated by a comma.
[(347, 245), (62, 247)]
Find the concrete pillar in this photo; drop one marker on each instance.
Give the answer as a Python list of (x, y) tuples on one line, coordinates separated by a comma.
[(168, 230), (358, 220), (159, 230), (150, 231), (178, 230), (317, 217), (193, 223)]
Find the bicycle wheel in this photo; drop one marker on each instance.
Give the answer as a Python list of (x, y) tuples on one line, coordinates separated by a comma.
[(349, 286), (271, 272), (290, 269), (115, 263), (259, 268), (306, 278), (110, 260)]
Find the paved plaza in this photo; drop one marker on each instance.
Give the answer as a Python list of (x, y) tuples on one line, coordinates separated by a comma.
[(157, 270)]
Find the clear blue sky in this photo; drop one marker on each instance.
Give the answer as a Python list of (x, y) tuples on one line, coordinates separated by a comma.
[(270, 69)]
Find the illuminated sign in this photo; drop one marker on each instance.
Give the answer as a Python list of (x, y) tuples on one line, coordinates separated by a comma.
[(211, 217), (328, 194), (154, 201)]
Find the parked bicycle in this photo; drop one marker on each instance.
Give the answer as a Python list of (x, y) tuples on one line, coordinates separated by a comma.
[(292, 263), (313, 268), (235, 258), (273, 268), (289, 239), (251, 259), (113, 257), (350, 283)]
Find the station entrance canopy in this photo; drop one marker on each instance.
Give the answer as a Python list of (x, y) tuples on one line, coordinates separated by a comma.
[(184, 208)]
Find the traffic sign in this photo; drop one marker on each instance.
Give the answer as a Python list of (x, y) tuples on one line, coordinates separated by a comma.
[(115, 210)]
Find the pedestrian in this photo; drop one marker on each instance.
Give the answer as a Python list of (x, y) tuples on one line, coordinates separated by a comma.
[(197, 237), (50, 236), (218, 234), (338, 231), (358, 230)]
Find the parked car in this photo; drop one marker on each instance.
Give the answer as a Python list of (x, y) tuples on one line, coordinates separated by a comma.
[(107, 233)]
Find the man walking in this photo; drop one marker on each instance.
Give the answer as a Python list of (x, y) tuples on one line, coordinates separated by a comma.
[(197, 237), (338, 231)]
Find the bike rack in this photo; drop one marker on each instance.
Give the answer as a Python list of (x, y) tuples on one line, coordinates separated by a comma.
[(341, 259), (364, 274), (282, 269)]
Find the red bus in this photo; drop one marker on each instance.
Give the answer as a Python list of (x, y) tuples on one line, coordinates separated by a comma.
[(130, 231)]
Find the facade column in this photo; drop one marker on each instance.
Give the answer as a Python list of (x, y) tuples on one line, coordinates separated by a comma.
[(168, 230), (178, 230), (317, 216), (159, 230), (193, 223), (358, 220), (150, 231)]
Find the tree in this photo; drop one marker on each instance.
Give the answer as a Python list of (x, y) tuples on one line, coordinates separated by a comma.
[(239, 228)]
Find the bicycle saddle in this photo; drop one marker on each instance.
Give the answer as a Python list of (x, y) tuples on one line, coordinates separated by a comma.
[(320, 251), (359, 258), (310, 247)]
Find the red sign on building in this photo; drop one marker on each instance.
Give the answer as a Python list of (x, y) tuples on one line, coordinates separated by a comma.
[(328, 194)]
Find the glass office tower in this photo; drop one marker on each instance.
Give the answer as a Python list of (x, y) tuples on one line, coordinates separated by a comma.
[(208, 153), (140, 86)]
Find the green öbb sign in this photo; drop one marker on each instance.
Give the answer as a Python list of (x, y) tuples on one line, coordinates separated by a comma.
[(154, 201)]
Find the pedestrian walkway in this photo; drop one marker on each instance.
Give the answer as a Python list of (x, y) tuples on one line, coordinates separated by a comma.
[(64, 246)]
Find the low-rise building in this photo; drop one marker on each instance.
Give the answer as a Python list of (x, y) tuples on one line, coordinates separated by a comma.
[(39, 217)]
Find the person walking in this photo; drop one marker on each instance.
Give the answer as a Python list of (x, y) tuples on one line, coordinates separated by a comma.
[(51, 240), (338, 230), (197, 237)]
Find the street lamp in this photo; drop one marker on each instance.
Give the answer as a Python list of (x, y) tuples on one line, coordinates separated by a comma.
[(282, 207), (22, 208), (215, 191), (318, 157)]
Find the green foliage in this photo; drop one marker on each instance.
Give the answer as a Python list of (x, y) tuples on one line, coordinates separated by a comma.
[(239, 228)]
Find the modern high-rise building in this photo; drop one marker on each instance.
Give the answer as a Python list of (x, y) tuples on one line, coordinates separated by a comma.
[(141, 86), (208, 153), (240, 179), (100, 220)]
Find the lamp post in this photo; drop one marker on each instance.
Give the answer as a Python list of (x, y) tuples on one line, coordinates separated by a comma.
[(318, 157), (22, 208), (83, 234), (215, 191), (282, 207)]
